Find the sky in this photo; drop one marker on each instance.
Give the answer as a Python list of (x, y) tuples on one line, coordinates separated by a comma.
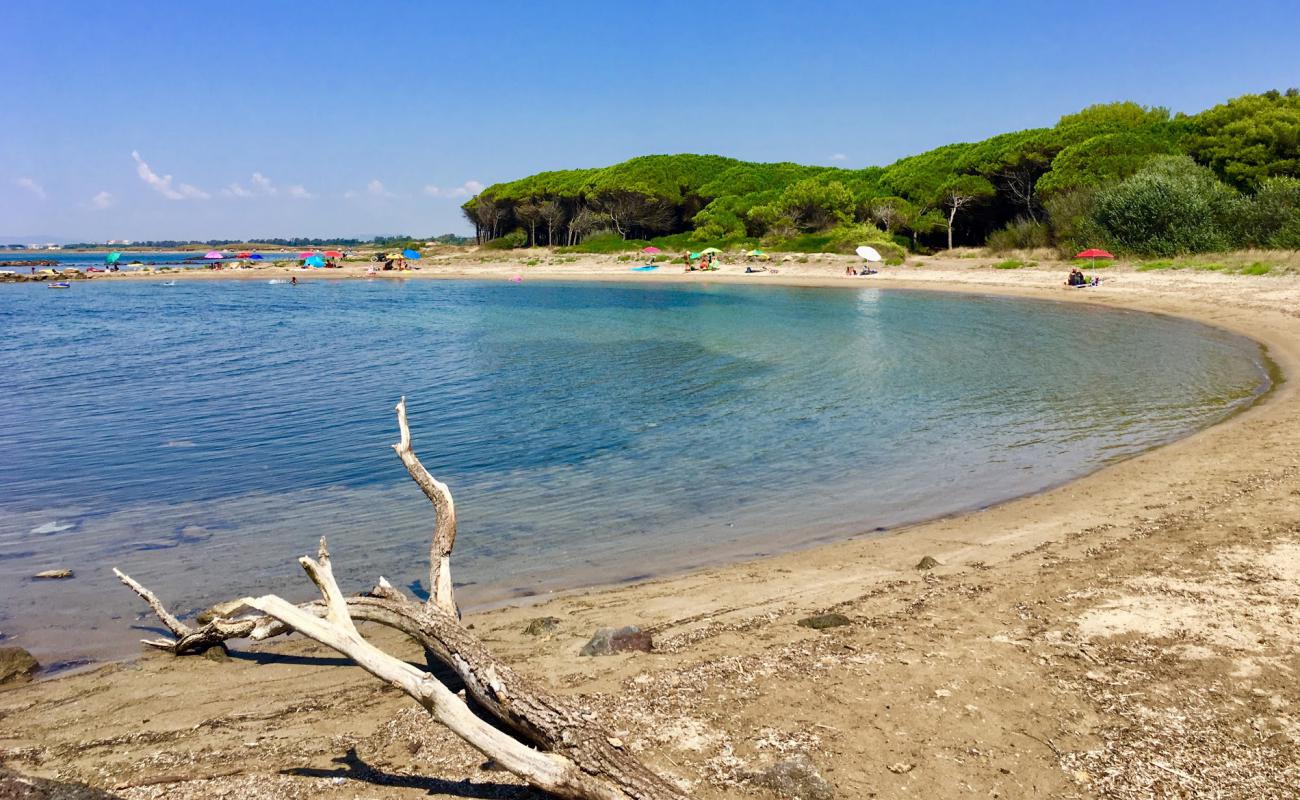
[(164, 120)]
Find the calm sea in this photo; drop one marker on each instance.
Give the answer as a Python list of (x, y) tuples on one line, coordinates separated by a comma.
[(82, 260), (202, 436)]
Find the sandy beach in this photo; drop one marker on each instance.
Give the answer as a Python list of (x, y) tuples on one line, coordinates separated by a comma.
[(1135, 633)]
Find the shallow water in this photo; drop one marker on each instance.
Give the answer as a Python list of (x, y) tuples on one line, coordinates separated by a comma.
[(202, 436)]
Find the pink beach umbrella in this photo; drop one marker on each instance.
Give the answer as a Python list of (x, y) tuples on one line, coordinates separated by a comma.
[(213, 254), (651, 249)]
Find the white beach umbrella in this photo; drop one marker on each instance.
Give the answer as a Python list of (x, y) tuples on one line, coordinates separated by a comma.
[(869, 253)]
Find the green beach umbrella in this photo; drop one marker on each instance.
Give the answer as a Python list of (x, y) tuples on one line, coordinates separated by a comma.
[(754, 253), (112, 258), (710, 250), (695, 255)]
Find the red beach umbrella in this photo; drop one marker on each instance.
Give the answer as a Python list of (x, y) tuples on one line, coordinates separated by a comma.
[(308, 254), (1094, 253), (333, 254), (243, 255), (651, 249)]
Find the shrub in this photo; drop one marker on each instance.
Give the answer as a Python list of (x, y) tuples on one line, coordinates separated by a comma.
[(1171, 206), (1257, 268), (511, 241), (1010, 263), (1070, 219), (1272, 217), (1020, 234)]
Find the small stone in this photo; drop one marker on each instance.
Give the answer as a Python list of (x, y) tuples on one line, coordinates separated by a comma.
[(17, 665), (218, 611), (608, 641), (900, 768), (821, 621), (53, 575), (942, 693), (539, 626), (217, 652), (794, 777), (929, 562)]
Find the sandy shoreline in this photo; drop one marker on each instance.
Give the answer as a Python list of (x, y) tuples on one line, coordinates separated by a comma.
[(1130, 633)]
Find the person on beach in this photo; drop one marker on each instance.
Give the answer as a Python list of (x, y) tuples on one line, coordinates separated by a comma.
[(293, 281)]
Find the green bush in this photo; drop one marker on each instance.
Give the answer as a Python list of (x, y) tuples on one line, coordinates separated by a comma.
[(1257, 268), (1010, 263), (1020, 234), (1070, 219), (1171, 206), (841, 239), (1272, 217), (511, 241)]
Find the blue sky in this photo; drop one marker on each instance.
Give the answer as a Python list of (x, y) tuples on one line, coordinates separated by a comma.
[(282, 118)]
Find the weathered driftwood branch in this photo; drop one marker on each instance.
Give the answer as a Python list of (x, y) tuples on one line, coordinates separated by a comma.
[(444, 510), (530, 732)]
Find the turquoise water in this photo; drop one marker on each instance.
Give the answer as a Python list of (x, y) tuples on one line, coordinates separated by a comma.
[(204, 435)]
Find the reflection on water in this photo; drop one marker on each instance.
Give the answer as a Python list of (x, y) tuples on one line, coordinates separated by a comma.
[(203, 436)]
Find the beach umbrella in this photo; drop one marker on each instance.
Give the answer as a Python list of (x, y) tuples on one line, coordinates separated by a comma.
[(112, 258), (213, 254), (694, 256), (1094, 253), (243, 255), (410, 254), (314, 261), (755, 253), (333, 254), (256, 257), (651, 249), (709, 250), (306, 255), (869, 253)]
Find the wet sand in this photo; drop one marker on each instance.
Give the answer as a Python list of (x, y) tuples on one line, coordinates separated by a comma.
[(1134, 633)]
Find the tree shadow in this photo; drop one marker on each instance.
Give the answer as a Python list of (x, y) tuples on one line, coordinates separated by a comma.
[(352, 768)]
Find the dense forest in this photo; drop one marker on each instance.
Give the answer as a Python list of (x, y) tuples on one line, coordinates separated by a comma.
[(1119, 175)]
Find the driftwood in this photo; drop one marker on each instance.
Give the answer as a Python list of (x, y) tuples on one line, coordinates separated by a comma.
[(520, 726)]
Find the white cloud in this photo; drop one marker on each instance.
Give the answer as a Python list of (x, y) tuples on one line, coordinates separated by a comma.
[(263, 184), (32, 186), (350, 193), (376, 188), (299, 192), (466, 189), (839, 157), (102, 200), (163, 183)]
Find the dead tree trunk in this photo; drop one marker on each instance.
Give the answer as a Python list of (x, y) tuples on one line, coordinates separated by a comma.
[(534, 734)]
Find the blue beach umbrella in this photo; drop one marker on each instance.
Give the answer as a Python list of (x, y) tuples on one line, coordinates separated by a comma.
[(256, 257), (410, 254), (112, 258), (315, 261)]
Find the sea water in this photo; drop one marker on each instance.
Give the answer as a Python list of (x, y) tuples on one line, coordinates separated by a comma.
[(202, 436)]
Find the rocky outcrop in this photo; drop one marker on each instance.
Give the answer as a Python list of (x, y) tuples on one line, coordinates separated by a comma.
[(608, 641), (16, 665)]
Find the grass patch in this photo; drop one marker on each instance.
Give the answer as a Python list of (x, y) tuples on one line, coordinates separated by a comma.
[(1257, 268), (1014, 263), (1209, 267)]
